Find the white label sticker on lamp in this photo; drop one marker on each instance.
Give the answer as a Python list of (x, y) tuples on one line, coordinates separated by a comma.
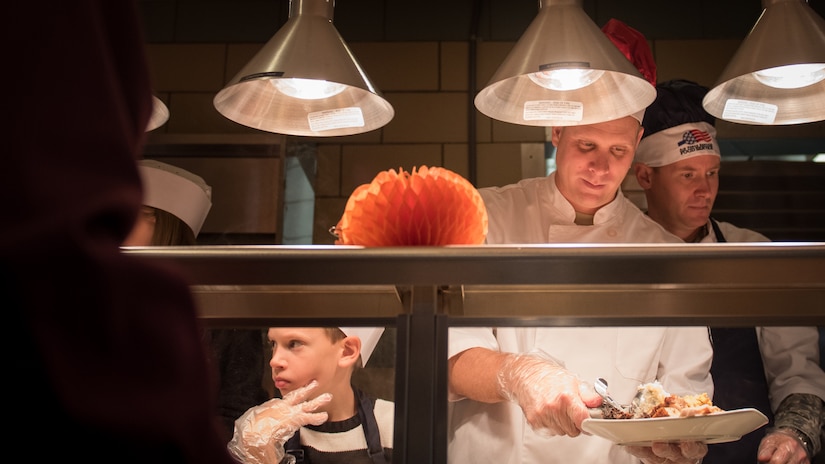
[(558, 110), (338, 118), (746, 110)]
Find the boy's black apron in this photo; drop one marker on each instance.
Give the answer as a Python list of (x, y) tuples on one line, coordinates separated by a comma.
[(739, 382), (366, 413)]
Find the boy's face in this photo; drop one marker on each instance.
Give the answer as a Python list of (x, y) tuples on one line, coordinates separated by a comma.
[(303, 354)]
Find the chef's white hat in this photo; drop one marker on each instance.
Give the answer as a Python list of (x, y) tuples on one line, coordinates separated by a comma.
[(369, 339), (176, 191)]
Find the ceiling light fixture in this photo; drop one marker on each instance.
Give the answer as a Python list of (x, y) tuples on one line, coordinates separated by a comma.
[(777, 75), (564, 71), (160, 114), (305, 81)]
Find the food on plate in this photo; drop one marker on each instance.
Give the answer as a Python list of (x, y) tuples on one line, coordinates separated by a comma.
[(653, 401)]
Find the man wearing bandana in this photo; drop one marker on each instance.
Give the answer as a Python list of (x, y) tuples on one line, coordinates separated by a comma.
[(773, 369)]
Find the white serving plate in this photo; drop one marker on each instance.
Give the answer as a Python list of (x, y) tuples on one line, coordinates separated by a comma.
[(720, 427)]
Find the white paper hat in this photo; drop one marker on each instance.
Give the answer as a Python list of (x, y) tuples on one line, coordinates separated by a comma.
[(176, 191), (369, 339), (677, 143)]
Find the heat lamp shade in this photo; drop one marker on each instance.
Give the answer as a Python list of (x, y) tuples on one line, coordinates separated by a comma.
[(160, 114), (563, 36), (307, 47), (788, 32)]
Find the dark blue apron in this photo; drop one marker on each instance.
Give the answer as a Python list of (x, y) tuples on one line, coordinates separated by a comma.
[(366, 412), (739, 382)]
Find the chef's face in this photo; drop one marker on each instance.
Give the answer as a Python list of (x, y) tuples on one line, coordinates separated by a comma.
[(301, 355), (144, 228), (681, 195), (592, 161)]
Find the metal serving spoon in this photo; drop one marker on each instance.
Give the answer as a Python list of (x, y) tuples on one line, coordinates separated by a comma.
[(601, 388)]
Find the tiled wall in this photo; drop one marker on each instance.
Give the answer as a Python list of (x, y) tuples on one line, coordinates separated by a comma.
[(422, 70)]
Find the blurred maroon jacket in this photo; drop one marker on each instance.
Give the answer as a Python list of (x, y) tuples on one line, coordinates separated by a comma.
[(104, 359)]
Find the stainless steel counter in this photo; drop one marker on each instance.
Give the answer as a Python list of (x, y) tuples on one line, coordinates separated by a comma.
[(740, 284), (424, 290)]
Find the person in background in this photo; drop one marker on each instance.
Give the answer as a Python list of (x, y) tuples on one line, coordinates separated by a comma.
[(176, 203), (773, 369), (106, 362), (322, 417)]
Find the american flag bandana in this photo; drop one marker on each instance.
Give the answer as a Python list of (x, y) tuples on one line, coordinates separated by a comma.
[(677, 143), (695, 136)]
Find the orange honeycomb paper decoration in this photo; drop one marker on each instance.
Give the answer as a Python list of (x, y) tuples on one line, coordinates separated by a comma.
[(426, 207)]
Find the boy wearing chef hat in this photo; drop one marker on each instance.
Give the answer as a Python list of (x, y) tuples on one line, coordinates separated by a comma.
[(321, 415), (175, 205)]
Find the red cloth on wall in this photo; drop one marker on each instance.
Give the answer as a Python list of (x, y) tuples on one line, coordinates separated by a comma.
[(634, 46)]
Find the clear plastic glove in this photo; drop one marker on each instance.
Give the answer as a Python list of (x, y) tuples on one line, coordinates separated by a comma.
[(689, 452), (260, 433), (554, 401), (781, 446)]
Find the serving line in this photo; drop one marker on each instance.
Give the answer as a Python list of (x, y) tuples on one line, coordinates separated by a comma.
[(696, 284), (423, 291)]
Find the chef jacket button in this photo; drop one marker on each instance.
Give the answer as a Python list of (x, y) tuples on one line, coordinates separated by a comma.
[(612, 232)]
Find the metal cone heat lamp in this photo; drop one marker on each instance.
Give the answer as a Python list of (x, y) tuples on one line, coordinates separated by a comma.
[(564, 71), (305, 81), (777, 75), (160, 114)]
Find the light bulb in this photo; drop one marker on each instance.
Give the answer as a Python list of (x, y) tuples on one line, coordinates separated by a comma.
[(565, 78), (793, 76), (308, 89)]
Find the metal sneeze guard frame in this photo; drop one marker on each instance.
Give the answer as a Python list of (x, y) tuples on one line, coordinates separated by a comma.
[(422, 291)]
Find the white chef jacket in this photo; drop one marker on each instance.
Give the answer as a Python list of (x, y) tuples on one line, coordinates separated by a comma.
[(534, 211), (790, 355)]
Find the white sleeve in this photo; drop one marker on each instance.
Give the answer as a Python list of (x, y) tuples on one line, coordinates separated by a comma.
[(464, 338), (791, 359), (686, 356)]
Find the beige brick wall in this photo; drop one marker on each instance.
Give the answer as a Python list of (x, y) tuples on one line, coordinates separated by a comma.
[(427, 84)]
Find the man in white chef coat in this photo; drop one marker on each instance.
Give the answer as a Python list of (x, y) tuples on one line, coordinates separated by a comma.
[(519, 395), (677, 165)]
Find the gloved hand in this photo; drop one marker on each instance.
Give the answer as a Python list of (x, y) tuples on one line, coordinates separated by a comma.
[(689, 452), (260, 433), (781, 446), (554, 401)]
